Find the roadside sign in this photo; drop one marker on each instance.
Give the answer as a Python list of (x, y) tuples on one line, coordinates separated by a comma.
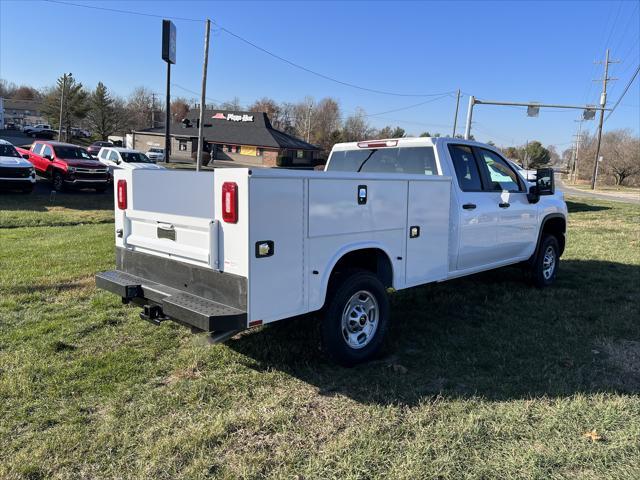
[(168, 41), (588, 114), (533, 110)]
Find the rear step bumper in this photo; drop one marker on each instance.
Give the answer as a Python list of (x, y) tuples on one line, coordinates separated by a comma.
[(157, 292), (190, 310)]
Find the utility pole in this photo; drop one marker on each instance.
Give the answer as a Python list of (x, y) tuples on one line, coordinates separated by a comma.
[(309, 121), (525, 160), (455, 119), (64, 87), (576, 153), (203, 94), (153, 110), (603, 102)]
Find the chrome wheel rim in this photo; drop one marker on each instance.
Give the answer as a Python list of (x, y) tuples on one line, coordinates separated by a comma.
[(360, 319), (57, 181), (548, 262)]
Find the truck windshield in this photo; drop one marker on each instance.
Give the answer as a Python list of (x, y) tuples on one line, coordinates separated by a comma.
[(135, 157), (416, 160), (72, 153), (8, 151)]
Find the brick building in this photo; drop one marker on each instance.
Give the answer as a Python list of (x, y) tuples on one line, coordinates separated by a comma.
[(243, 137)]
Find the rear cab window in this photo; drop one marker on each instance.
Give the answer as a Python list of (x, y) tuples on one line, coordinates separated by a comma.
[(466, 168), (406, 160)]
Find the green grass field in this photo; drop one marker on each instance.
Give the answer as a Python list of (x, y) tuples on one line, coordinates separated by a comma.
[(484, 377)]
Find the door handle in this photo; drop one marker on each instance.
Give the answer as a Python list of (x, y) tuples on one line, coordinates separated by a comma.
[(504, 205), (469, 206)]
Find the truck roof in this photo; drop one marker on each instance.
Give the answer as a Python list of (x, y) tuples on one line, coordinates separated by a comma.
[(405, 142)]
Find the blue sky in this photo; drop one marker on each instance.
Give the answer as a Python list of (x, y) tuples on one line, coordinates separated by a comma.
[(514, 51)]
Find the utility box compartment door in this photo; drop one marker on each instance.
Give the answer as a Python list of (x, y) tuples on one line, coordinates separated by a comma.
[(428, 242), (338, 207), (276, 248)]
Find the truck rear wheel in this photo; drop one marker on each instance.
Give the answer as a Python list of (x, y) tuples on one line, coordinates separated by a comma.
[(545, 265), (356, 318)]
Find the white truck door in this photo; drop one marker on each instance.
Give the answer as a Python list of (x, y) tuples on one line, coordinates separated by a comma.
[(427, 234), (517, 218), (478, 215)]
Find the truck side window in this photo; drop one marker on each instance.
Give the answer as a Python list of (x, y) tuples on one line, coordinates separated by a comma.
[(47, 151), (36, 148), (466, 168), (419, 160), (500, 175)]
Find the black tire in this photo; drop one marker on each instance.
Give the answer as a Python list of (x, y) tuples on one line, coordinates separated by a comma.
[(540, 274), (341, 292), (58, 181)]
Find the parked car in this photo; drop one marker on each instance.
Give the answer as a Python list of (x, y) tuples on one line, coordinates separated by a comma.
[(68, 165), (118, 157), (237, 248), (156, 154), (16, 172), (528, 175), (10, 126), (41, 130), (80, 132), (95, 147)]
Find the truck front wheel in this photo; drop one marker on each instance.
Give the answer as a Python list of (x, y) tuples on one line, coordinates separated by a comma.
[(356, 318), (545, 265)]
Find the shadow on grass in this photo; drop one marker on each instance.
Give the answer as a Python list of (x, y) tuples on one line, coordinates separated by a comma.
[(490, 335), (44, 197), (575, 207)]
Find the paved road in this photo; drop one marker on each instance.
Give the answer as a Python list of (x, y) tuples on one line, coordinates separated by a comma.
[(635, 199)]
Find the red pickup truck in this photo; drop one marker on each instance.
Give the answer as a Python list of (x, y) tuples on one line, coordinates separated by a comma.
[(68, 165)]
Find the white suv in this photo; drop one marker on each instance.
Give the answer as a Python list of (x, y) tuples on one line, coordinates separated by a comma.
[(126, 158)]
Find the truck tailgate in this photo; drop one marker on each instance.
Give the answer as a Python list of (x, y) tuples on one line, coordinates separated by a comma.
[(171, 214)]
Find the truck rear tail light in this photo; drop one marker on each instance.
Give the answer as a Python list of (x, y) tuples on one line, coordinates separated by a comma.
[(230, 202), (378, 144), (122, 194)]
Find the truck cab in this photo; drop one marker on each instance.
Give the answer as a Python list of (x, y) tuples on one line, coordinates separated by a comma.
[(237, 248)]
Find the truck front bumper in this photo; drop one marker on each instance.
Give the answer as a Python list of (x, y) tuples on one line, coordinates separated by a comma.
[(201, 298)]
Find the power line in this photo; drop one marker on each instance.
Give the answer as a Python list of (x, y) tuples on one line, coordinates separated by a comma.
[(327, 77), (117, 10), (258, 47), (624, 92)]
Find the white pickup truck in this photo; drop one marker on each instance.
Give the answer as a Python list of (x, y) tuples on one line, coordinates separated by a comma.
[(233, 249)]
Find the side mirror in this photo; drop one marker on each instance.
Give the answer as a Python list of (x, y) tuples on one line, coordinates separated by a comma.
[(25, 156), (49, 157), (532, 194), (545, 182)]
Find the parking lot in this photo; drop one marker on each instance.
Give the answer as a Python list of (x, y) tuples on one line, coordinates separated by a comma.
[(484, 376)]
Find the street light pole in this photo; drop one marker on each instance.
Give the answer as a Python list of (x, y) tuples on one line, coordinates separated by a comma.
[(64, 87), (467, 130)]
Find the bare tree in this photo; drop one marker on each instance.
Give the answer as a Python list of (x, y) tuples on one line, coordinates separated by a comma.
[(324, 121), (140, 106), (233, 104), (356, 127), (179, 109), (620, 152)]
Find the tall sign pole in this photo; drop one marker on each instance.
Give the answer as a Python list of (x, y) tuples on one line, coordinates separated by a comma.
[(203, 95), (169, 56)]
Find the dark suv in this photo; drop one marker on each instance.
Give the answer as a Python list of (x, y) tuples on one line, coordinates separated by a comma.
[(95, 147)]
